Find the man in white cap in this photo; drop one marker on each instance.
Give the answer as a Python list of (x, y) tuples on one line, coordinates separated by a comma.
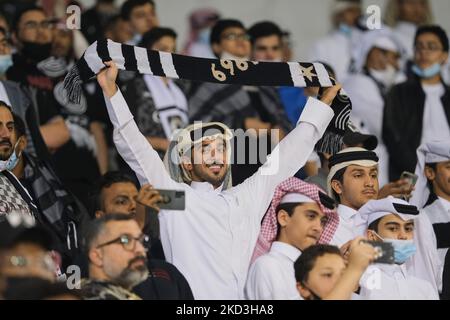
[(335, 48), (376, 59), (300, 215), (433, 195), (211, 242), (392, 220)]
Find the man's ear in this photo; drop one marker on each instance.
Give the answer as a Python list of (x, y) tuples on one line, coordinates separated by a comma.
[(15, 39), (96, 257), (336, 186), (305, 293), (23, 142), (430, 174), (445, 58), (283, 218), (371, 236), (186, 163)]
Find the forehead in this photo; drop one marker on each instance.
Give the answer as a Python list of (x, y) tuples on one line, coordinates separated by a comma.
[(116, 228), (143, 7), (393, 218), (5, 115), (329, 261), (119, 188), (272, 39), (353, 168), (312, 206), (428, 37), (33, 15), (233, 30)]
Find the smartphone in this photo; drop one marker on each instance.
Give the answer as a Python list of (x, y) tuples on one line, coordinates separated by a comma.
[(411, 177), (172, 200), (385, 252)]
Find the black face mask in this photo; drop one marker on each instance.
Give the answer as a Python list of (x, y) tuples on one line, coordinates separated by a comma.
[(36, 51)]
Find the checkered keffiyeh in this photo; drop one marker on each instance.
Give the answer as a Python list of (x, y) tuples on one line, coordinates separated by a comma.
[(268, 231), (10, 199)]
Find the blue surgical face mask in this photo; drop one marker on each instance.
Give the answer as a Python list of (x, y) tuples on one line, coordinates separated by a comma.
[(204, 35), (403, 249), (11, 163), (5, 62), (427, 73), (345, 29)]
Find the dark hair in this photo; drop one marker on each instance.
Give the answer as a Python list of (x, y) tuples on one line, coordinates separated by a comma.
[(19, 15), (305, 263), (19, 125), (221, 26), (433, 196), (154, 35), (38, 289), (107, 180), (264, 29), (129, 5), (339, 176), (436, 30), (97, 226), (289, 208), (374, 225)]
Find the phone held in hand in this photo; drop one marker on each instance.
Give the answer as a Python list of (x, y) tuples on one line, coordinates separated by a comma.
[(172, 200), (385, 251), (410, 177)]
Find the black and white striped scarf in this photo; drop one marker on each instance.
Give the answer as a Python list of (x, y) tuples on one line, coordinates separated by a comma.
[(238, 72)]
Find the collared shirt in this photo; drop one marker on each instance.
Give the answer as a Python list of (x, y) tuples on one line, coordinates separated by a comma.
[(212, 241), (350, 226), (392, 282), (272, 276)]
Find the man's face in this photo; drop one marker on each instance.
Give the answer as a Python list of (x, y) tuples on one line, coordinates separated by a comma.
[(121, 32), (414, 11), (120, 197), (304, 227), (28, 260), (34, 27), (125, 265), (8, 136), (379, 59), (350, 16), (440, 178), (323, 276), (62, 42), (267, 49), (5, 48), (360, 184), (234, 41), (143, 18), (393, 227), (429, 51), (166, 44), (209, 162)]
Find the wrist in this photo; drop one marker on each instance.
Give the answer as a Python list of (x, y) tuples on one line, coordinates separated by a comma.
[(111, 91)]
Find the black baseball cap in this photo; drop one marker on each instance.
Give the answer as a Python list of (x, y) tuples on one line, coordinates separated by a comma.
[(353, 138)]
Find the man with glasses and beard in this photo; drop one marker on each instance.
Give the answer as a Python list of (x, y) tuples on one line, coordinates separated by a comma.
[(117, 258)]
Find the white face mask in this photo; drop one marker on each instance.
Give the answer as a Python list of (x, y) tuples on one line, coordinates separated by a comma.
[(386, 76)]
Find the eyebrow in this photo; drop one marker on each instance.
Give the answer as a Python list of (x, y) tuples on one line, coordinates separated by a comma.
[(396, 224)]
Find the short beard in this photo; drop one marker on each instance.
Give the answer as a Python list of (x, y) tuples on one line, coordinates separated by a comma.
[(212, 179), (129, 277)]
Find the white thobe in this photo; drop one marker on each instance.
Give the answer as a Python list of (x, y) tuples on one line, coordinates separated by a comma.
[(211, 242), (350, 226), (435, 125), (272, 276), (392, 282)]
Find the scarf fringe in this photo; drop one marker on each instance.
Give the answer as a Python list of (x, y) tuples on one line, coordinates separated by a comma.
[(73, 85), (330, 143)]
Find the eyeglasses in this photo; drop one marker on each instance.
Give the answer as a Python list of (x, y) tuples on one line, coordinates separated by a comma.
[(34, 25), (127, 241), (430, 47), (46, 261), (235, 36)]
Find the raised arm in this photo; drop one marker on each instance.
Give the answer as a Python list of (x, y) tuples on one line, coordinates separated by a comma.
[(131, 144), (290, 154)]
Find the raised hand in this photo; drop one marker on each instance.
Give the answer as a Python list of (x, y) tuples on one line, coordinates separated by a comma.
[(107, 78)]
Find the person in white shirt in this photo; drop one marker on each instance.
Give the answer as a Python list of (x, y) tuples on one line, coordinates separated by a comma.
[(433, 194), (322, 273), (300, 213), (392, 220), (352, 181), (376, 59), (335, 48), (212, 240)]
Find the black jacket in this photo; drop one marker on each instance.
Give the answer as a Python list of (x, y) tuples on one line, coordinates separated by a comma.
[(402, 124)]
